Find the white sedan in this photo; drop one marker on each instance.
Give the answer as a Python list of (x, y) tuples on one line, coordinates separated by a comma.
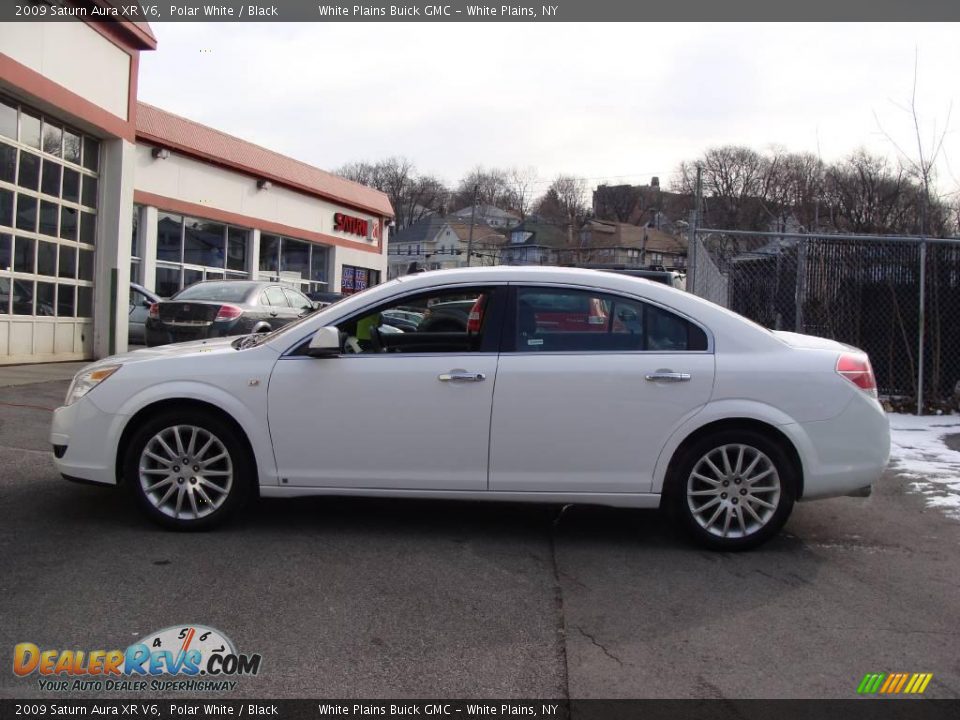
[(564, 386)]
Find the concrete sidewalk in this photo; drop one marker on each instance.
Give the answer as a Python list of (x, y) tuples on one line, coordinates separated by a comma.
[(39, 372)]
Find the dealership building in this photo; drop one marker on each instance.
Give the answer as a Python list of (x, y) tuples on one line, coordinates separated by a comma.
[(98, 190)]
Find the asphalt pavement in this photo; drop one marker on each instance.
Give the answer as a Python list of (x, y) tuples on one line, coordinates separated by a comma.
[(381, 598)]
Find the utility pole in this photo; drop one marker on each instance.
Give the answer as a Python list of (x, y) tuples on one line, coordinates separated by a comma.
[(473, 214)]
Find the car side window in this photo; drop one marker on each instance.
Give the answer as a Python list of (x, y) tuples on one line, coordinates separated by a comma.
[(452, 321), (568, 320), (296, 300), (275, 296)]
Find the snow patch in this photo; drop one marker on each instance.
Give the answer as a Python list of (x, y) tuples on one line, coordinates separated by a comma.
[(918, 451)]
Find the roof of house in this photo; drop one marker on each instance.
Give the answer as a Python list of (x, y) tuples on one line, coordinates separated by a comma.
[(543, 233), (483, 234), (427, 229), (659, 241), (178, 133), (604, 233), (422, 231), (485, 211)]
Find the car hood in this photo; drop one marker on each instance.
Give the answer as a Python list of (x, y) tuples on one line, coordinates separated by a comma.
[(194, 347), (799, 340)]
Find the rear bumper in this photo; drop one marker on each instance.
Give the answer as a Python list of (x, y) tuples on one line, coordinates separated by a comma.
[(158, 334), (847, 454)]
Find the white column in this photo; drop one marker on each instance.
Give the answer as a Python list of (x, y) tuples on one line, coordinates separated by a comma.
[(253, 255), (335, 268), (148, 247), (112, 268)]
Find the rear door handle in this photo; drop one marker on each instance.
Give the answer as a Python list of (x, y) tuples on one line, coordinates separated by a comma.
[(668, 376), (461, 376)]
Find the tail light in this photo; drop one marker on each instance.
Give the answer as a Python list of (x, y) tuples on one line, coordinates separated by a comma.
[(154, 312), (475, 318), (228, 312), (857, 369)]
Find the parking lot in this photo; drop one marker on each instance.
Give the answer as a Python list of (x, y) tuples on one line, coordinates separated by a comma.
[(378, 598)]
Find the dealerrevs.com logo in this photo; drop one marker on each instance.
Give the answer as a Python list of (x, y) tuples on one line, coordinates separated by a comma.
[(204, 658)]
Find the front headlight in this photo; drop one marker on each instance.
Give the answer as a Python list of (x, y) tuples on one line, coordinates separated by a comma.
[(86, 381)]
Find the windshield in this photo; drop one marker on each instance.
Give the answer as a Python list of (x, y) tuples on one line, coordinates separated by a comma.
[(248, 341), (224, 291)]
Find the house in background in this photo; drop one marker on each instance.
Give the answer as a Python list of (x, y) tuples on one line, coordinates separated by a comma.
[(535, 242), (439, 242), (488, 215), (604, 242)]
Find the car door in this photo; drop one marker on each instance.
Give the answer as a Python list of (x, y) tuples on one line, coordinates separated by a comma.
[(300, 303), (279, 311), (396, 410), (589, 388)]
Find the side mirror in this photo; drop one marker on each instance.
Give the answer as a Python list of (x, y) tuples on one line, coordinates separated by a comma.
[(325, 343)]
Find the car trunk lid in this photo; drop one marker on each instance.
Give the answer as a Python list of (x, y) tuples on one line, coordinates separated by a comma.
[(812, 342), (189, 313)]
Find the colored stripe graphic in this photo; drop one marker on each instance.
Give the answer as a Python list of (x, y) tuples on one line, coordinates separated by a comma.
[(894, 683), (870, 683)]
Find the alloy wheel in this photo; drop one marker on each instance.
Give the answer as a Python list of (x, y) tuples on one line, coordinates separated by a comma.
[(186, 472), (733, 491)]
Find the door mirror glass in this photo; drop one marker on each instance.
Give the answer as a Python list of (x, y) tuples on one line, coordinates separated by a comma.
[(325, 343)]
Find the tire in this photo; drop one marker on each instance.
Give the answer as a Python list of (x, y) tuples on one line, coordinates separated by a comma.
[(215, 482), (739, 503)]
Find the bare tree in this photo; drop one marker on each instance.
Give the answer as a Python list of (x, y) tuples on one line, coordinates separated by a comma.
[(521, 183), (621, 203), (412, 196), (736, 186), (867, 193), (923, 161), (493, 187), (565, 203)]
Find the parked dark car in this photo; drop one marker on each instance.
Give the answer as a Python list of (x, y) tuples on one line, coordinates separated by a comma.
[(217, 308), (324, 298), (451, 316)]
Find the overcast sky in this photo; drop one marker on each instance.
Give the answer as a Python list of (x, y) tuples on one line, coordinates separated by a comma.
[(608, 102)]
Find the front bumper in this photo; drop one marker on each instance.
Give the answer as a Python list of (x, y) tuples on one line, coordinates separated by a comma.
[(88, 438)]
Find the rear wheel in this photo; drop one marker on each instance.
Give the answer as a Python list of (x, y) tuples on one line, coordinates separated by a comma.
[(188, 471), (734, 489)]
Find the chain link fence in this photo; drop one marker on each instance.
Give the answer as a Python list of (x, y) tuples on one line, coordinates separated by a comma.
[(896, 297)]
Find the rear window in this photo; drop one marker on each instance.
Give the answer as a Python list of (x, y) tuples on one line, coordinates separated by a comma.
[(227, 292)]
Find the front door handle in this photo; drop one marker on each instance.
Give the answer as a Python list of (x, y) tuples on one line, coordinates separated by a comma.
[(668, 376), (461, 376)]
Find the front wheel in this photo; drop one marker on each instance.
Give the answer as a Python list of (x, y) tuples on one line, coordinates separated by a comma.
[(188, 471), (735, 489)]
